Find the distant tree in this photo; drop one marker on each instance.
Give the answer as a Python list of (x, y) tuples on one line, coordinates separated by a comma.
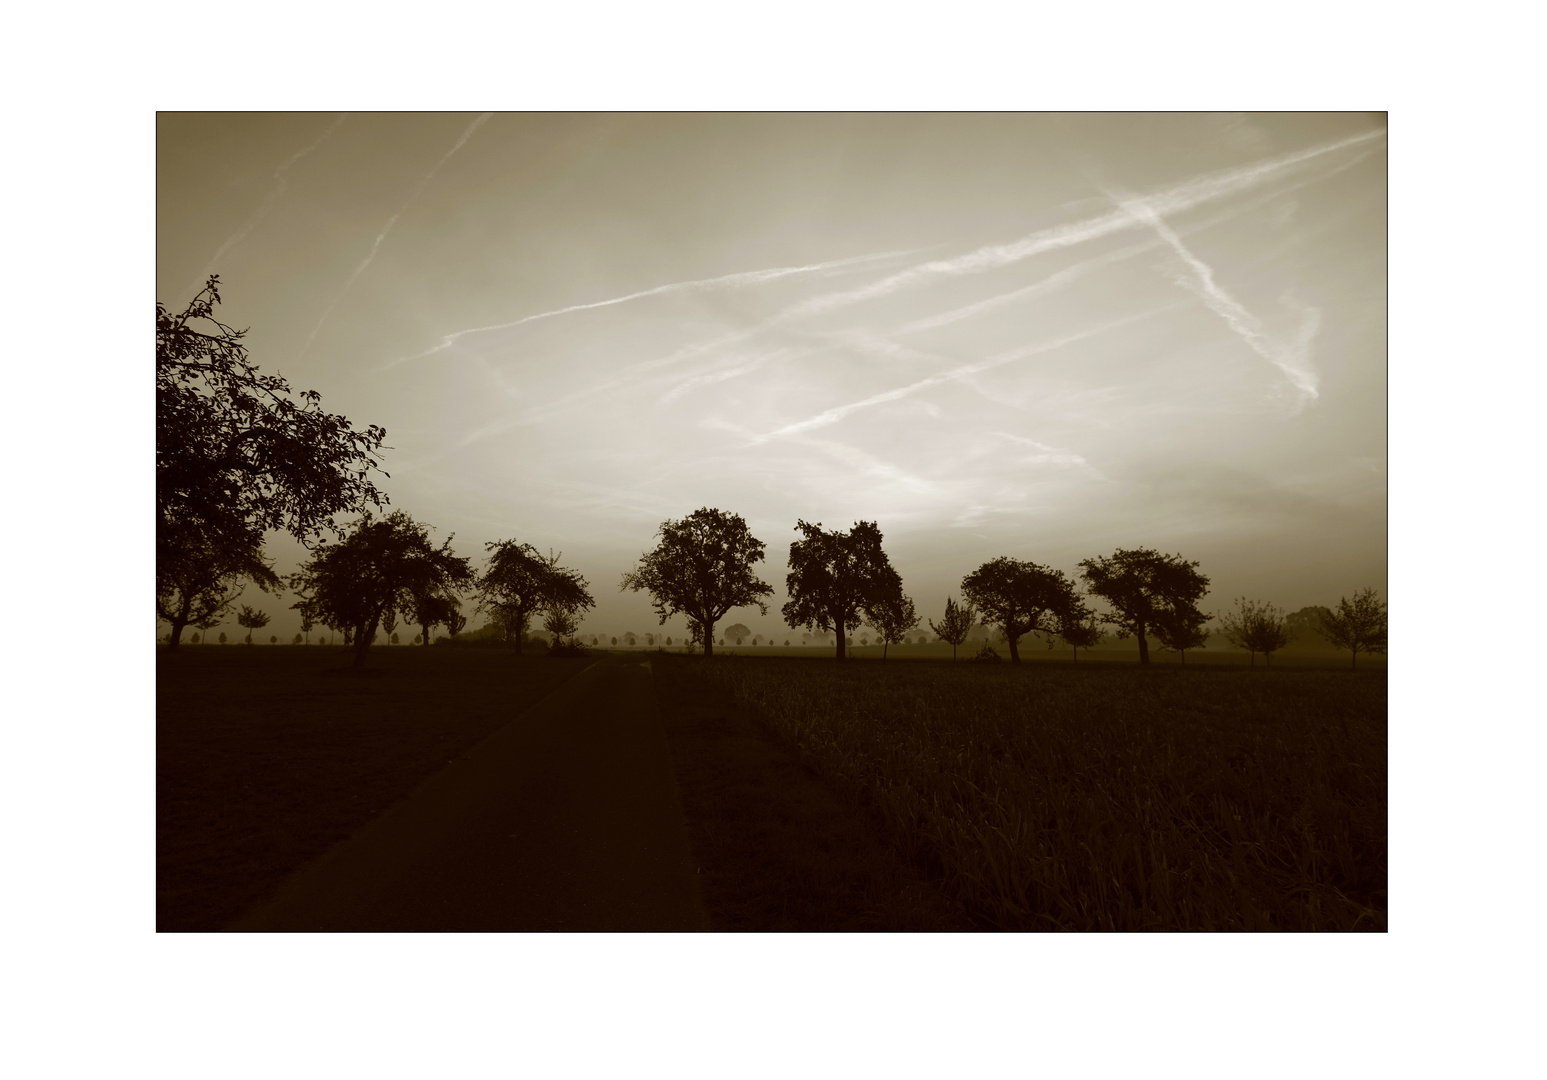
[(453, 620), (222, 637), (519, 582), (668, 641), (377, 568), (273, 639), (1082, 633), (629, 638), (198, 581), (835, 577), (252, 619), (561, 620), (296, 640), (1255, 627), (1305, 622), (1358, 625), (956, 624), (1180, 631), (1144, 587), (389, 625), (737, 634), (392, 640), (1021, 597), (430, 608), (702, 568), (238, 455), (195, 639)]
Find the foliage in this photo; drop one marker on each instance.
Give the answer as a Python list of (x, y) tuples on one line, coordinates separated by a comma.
[(893, 618), (1306, 622), (737, 633), (1022, 597), (236, 453), (1107, 799), (252, 619), (987, 654), (1255, 627), (835, 577), (956, 624), (702, 568), (376, 570), (1358, 625), (197, 580), (519, 582), (1083, 633), (1146, 589)]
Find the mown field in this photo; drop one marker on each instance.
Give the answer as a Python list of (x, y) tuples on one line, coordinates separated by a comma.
[(267, 756), (1100, 797)]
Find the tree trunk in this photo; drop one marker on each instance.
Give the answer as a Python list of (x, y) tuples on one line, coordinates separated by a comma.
[(424, 631), (708, 628), (177, 631), (363, 636), (1144, 646), (1015, 652), (1353, 660)]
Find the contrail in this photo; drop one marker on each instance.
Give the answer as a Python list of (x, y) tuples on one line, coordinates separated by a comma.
[(833, 415), (1290, 359), (387, 228), (280, 186), (746, 278)]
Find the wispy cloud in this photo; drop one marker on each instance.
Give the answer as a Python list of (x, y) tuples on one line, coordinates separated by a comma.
[(833, 415), (387, 228), (1292, 358), (257, 216), (741, 280)]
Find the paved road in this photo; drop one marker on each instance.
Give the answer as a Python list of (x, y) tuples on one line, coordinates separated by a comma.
[(566, 819)]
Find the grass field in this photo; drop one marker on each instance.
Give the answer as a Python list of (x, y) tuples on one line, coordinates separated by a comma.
[(266, 757), (1101, 797)]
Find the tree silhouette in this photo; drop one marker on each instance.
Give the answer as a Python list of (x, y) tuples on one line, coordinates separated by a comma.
[(702, 567), (238, 455), (835, 577), (377, 568), (1358, 625), (736, 634), (956, 624), (1082, 633), (1144, 587), (197, 582), (519, 582), (1022, 598), (222, 637), (893, 618), (1255, 627), (252, 619), (1179, 631)]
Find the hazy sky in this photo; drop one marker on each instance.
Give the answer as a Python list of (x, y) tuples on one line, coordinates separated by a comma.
[(1031, 335)]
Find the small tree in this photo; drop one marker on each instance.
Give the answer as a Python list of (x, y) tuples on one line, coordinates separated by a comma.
[(1021, 598), (562, 621), (222, 637), (252, 619), (1358, 625), (737, 634), (296, 640), (1083, 633), (1178, 632), (1255, 627), (702, 568), (629, 638), (195, 639), (955, 625)]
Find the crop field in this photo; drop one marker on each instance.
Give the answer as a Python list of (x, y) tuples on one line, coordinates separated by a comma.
[(266, 757), (1098, 797)]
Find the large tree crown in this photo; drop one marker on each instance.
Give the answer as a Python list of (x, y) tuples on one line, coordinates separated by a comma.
[(834, 576), (701, 567)]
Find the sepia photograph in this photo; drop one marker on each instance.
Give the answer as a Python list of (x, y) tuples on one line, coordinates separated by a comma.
[(798, 522)]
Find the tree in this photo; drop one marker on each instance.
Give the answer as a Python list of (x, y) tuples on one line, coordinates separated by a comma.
[(736, 634), (273, 639), (837, 576), (561, 621), (956, 624), (1021, 597), (1144, 587), (252, 619), (1179, 631), (1358, 625), (1305, 622), (377, 568), (702, 567), (519, 582), (296, 640), (629, 639), (1083, 632), (1255, 627), (893, 617), (237, 454), (429, 608), (197, 582), (222, 637)]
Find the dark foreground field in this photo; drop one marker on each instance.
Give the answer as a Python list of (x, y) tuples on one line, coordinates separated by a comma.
[(266, 757), (1100, 798), (867, 796)]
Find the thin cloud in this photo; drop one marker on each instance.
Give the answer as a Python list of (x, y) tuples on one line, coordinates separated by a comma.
[(257, 216), (728, 281), (387, 228), (833, 415), (1291, 358)]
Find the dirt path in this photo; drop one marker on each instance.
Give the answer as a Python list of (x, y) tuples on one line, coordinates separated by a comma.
[(567, 819)]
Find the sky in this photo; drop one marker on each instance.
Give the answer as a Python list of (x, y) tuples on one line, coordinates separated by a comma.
[(1035, 335)]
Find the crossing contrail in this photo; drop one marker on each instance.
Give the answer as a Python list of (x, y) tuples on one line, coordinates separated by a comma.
[(387, 228)]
